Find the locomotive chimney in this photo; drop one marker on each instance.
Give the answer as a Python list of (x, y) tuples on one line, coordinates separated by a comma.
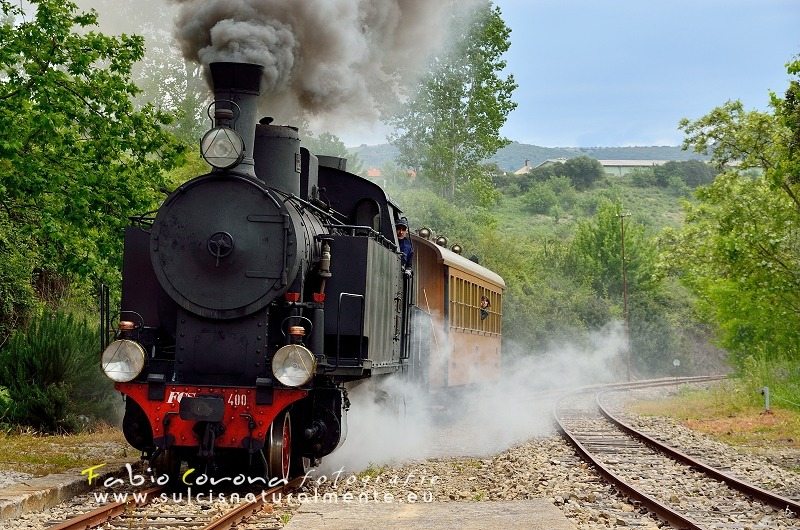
[(239, 83)]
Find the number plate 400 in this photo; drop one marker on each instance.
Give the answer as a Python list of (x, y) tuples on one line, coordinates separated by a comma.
[(237, 400)]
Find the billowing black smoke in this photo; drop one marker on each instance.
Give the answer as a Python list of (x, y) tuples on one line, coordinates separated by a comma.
[(333, 58)]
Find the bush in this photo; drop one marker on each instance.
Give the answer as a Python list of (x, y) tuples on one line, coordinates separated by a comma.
[(677, 186), (52, 374), (589, 203), (478, 191), (541, 198), (642, 177)]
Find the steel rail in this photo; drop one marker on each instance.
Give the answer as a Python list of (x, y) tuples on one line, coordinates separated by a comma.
[(665, 512), (650, 383), (238, 514), (103, 514), (765, 496)]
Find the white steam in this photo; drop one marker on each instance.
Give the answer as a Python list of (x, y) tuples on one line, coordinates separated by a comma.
[(474, 422)]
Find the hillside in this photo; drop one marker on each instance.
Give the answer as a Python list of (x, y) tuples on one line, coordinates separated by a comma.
[(559, 286), (513, 156)]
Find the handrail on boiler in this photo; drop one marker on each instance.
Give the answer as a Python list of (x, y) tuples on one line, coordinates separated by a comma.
[(363, 231)]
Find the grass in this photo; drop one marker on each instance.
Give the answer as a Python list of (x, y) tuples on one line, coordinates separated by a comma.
[(38, 454), (372, 471), (731, 414)]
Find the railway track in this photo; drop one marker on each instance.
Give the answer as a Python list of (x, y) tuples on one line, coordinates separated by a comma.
[(680, 489), (529, 471), (185, 514)]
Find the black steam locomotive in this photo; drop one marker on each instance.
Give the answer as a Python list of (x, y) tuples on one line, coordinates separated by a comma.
[(255, 293)]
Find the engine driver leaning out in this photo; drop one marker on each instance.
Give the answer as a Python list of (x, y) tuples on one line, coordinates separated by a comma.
[(404, 242)]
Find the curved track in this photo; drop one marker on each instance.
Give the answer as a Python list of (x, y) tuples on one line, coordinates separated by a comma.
[(681, 490)]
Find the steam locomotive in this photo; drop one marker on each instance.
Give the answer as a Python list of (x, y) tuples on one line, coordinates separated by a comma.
[(259, 293)]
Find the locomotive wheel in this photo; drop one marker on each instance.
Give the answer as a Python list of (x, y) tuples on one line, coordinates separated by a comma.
[(167, 462), (300, 466), (279, 446)]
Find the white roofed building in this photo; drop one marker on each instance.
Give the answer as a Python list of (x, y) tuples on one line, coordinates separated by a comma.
[(615, 168), (622, 167)]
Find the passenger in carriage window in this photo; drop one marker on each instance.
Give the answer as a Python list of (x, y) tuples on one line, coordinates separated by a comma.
[(484, 307)]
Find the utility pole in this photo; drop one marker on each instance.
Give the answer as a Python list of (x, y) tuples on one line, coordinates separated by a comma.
[(622, 217)]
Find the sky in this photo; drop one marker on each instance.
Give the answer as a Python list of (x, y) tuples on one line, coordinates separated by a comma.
[(617, 72), (624, 72)]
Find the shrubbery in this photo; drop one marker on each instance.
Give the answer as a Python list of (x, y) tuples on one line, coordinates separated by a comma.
[(540, 198), (52, 376), (552, 195), (781, 374), (17, 298)]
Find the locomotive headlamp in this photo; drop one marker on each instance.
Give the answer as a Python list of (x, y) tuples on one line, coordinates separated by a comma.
[(123, 360), (294, 365), (222, 147)]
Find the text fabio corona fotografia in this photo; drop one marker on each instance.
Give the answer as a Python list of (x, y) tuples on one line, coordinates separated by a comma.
[(338, 488)]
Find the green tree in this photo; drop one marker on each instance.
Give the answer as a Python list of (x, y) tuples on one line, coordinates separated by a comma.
[(740, 249), (540, 198), (17, 260), (693, 173), (453, 122), (167, 80), (76, 157), (175, 85), (539, 174), (331, 145), (739, 252), (596, 259), (596, 252), (583, 171)]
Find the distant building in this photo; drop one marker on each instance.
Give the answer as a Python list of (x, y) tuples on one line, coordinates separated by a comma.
[(619, 168), (524, 170), (612, 167), (552, 162), (376, 174)]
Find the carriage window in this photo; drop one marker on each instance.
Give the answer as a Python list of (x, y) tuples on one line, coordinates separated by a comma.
[(474, 307)]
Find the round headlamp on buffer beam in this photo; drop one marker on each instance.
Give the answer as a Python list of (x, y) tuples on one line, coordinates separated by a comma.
[(123, 359)]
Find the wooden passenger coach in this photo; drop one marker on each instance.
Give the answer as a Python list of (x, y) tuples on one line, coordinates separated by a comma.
[(454, 344)]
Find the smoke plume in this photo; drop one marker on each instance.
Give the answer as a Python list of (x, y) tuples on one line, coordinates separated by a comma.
[(324, 60)]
